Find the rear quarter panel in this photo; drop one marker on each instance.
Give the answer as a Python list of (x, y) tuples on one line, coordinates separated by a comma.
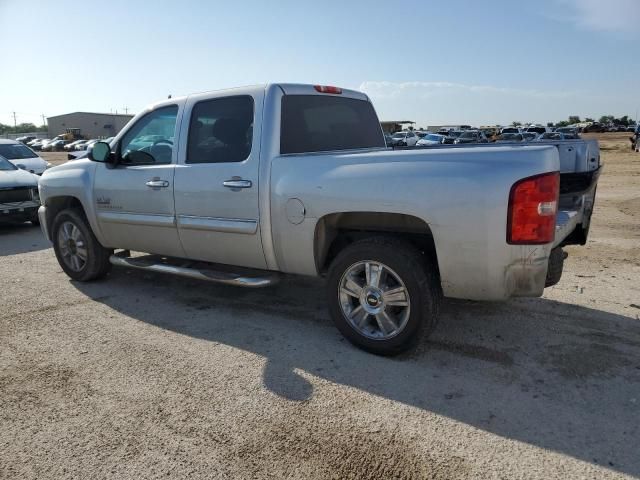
[(462, 194)]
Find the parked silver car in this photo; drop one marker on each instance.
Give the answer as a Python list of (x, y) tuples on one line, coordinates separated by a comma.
[(19, 200)]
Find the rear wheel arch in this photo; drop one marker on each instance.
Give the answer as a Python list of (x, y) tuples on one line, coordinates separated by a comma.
[(383, 294), (336, 231)]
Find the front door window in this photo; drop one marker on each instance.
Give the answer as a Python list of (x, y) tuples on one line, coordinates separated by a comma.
[(150, 140)]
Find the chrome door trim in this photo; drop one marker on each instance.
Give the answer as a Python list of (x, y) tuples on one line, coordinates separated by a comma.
[(214, 224), (154, 220)]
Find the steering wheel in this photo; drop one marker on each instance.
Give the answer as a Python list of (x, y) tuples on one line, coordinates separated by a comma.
[(164, 140)]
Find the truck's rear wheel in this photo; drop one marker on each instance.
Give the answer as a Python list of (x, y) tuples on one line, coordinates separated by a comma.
[(78, 251), (384, 295)]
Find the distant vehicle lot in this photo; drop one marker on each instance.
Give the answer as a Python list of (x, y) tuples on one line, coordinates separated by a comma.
[(149, 375)]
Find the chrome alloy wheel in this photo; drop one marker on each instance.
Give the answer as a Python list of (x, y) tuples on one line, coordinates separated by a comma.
[(374, 300), (72, 246)]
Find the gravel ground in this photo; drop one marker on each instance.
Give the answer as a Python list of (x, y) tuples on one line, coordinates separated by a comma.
[(149, 376)]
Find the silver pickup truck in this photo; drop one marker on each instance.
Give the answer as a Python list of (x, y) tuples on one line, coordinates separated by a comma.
[(240, 186)]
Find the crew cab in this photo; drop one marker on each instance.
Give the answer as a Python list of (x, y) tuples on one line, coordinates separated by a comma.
[(242, 186)]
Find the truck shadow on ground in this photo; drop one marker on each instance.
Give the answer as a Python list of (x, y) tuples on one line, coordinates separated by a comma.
[(557, 376), (21, 238)]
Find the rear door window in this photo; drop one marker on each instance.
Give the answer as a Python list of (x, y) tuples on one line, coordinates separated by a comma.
[(221, 130), (319, 123)]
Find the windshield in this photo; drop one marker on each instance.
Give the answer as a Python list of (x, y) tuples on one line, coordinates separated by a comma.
[(398, 135), (16, 151), (551, 136), (510, 136), (455, 133), (433, 138), (469, 135), (6, 165), (537, 129)]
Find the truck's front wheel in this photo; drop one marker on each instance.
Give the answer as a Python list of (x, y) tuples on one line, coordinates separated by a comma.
[(384, 295), (77, 249)]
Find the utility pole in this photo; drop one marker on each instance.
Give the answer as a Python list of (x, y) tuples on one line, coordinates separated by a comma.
[(14, 120), (44, 121), (126, 110)]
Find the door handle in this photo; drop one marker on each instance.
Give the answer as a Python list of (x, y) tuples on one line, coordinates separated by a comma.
[(237, 183), (156, 183)]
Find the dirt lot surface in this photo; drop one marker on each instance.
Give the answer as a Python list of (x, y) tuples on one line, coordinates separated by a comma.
[(149, 376), (54, 157)]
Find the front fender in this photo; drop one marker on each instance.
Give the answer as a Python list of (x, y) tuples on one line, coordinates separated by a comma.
[(72, 181)]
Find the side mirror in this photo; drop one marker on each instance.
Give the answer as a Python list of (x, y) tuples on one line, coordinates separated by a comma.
[(101, 152)]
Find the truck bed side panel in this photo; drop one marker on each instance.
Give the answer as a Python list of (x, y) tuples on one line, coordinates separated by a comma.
[(462, 194)]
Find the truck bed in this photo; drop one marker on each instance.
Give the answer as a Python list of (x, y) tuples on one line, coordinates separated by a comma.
[(579, 155), (579, 172)]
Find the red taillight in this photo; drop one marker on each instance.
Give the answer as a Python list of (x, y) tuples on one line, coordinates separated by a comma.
[(533, 203), (327, 89)]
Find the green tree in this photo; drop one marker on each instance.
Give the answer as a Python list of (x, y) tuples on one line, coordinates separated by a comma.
[(21, 128), (574, 119), (589, 120), (624, 120), (516, 124)]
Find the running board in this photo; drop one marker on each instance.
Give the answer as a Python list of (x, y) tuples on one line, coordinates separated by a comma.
[(197, 270)]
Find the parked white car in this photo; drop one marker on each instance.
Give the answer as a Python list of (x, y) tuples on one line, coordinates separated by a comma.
[(405, 138), (37, 144), (431, 139), (23, 157), (538, 129), (72, 145)]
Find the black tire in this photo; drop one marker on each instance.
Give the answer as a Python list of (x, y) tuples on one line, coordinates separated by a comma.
[(556, 265), (97, 263), (420, 279)]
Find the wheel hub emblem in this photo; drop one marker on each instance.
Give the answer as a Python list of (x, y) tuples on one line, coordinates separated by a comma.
[(372, 300)]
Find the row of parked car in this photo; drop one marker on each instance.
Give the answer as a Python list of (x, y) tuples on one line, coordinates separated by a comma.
[(57, 144), (410, 138)]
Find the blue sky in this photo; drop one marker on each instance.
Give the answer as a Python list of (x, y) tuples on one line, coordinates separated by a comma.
[(473, 62)]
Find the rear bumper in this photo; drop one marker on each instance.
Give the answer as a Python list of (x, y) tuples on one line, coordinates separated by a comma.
[(566, 223), (526, 276)]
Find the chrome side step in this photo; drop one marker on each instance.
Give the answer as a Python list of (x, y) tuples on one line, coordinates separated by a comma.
[(197, 270)]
